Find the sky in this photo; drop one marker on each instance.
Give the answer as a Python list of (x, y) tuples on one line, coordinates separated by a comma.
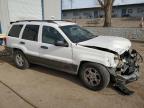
[(93, 3)]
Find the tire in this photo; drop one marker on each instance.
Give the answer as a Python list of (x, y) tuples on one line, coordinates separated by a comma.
[(20, 60), (94, 76)]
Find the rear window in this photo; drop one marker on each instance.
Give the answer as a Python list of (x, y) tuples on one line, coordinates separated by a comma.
[(31, 32), (15, 30)]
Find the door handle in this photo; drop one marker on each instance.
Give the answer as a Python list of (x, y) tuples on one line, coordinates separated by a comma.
[(23, 43), (44, 47)]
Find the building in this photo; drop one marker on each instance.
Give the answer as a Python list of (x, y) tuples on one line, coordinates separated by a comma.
[(12, 10), (89, 9)]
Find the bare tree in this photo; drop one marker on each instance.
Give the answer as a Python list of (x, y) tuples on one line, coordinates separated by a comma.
[(107, 8)]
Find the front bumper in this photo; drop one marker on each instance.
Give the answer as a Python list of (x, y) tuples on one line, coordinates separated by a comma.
[(129, 78), (128, 69)]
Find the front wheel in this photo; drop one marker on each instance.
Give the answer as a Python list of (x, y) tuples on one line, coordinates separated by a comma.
[(20, 60), (94, 76)]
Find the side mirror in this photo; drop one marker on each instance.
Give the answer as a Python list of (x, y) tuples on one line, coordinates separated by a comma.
[(61, 43)]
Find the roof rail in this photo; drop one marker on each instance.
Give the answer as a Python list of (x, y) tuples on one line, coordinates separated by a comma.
[(63, 20), (49, 21)]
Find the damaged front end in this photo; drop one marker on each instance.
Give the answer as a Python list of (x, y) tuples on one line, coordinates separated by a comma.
[(127, 71), (128, 67)]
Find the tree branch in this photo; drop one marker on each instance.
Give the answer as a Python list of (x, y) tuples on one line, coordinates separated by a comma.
[(113, 2), (101, 3)]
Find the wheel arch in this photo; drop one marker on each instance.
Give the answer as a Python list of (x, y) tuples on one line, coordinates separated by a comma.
[(16, 49), (83, 62)]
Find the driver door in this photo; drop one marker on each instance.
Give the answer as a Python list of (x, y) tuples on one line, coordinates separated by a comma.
[(53, 56)]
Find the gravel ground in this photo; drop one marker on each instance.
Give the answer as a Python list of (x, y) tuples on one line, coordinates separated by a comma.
[(41, 87)]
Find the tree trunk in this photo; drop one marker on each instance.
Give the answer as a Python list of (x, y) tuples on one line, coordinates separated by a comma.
[(108, 12)]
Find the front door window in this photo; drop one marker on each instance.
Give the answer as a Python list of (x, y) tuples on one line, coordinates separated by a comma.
[(50, 35)]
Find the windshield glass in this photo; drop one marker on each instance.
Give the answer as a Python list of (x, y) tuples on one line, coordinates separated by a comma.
[(76, 33)]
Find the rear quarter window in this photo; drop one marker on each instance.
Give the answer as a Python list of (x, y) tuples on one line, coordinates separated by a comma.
[(15, 30)]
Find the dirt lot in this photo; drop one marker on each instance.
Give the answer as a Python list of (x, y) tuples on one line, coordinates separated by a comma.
[(41, 87)]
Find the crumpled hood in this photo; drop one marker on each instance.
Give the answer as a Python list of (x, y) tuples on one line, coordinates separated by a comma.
[(116, 44)]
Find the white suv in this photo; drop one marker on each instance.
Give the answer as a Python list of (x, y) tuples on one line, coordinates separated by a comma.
[(67, 47)]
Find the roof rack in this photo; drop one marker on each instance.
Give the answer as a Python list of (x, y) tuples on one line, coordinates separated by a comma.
[(49, 21)]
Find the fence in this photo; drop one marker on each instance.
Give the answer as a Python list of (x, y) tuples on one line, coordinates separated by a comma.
[(130, 33)]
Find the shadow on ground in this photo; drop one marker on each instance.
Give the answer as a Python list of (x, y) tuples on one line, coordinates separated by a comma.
[(73, 78)]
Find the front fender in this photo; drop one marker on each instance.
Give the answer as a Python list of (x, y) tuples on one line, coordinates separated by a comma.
[(95, 59), (93, 55)]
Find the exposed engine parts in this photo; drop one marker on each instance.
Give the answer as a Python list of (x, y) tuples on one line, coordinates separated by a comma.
[(129, 62), (127, 71)]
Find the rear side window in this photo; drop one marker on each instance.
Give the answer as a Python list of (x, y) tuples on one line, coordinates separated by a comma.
[(15, 30), (31, 32)]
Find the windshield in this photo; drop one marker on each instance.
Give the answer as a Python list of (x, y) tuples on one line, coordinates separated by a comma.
[(76, 33)]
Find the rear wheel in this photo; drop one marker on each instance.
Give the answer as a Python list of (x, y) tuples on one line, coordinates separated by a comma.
[(20, 60), (94, 76)]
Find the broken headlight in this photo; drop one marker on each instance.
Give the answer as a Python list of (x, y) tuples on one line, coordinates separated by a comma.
[(117, 59)]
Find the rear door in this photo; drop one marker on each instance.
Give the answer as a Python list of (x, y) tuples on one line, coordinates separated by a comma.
[(29, 41)]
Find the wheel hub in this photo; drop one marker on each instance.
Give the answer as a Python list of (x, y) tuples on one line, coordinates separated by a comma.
[(92, 76), (19, 60)]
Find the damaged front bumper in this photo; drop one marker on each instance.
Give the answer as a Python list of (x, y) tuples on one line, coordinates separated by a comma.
[(127, 71), (118, 77), (129, 78), (128, 68)]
